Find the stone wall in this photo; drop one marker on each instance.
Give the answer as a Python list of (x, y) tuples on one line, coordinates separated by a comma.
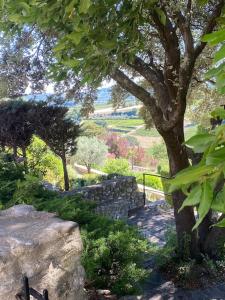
[(45, 249), (116, 197)]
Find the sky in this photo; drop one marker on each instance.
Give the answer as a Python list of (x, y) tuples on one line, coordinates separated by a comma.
[(50, 88)]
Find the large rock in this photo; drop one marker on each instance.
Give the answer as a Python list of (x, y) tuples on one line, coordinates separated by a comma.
[(44, 248)]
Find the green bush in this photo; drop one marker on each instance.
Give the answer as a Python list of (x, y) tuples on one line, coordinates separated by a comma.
[(29, 190), (117, 166), (10, 173), (159, 152), (150, 181), (113, 251)]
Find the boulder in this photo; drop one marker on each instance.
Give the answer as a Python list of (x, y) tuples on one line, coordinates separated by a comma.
[(44, 248)]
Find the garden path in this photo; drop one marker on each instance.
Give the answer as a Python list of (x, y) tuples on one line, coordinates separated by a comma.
[(154, 221)]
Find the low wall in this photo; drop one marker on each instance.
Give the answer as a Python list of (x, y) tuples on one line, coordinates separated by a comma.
[(115, 197)]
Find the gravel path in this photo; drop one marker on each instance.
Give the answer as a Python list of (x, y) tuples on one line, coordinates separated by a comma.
[(154, 221)]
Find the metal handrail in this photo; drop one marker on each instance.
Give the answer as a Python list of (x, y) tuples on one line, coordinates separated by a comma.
[(27, 291)]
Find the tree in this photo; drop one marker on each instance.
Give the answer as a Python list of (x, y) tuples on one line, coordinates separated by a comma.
[(58, 132), (16, 128), (91, 129), (119, 146), (159, 41), (137, 155), (90, 151)]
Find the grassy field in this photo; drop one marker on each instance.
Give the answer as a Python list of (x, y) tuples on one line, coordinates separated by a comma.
[(122, 125), (146, 132), (102, 106), (124, 122)]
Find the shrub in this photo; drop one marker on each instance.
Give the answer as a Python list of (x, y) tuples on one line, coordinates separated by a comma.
[(118, 166), (10, 172), (42, 161), (150, 181), (159, 151), (86, 179)]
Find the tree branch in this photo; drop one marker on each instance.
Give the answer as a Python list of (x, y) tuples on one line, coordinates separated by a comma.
[(169, 40), (209, 27), (156, 78), (185, 30), (139, 92)]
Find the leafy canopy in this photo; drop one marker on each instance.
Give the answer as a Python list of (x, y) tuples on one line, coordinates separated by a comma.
[(77, 26), (90, 151)]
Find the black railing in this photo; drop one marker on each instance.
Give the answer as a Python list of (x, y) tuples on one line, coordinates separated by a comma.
[(155, 175), (27, 291)]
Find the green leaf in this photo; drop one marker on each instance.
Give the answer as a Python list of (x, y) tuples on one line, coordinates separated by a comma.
[(161, 15), (215, 37), (221, 223), (16, 18), (193, 198), (84, 6), (70, 7), (218, 112), (190, 175), (24, 5), (220, 80), (218, 203), (59, 47), (200, 142), (216, 157), (75, 37), (219, 54), (108, 44), (202, 2), (71, 63), (205, 202), (214, 71)]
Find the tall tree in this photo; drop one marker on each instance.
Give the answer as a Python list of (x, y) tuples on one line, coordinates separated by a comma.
[(159, 41), (58, 132)]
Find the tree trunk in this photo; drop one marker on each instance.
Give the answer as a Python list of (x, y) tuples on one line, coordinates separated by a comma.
[(89, 169), (185, 220), (66, 176), (14, 153), (25, 159)]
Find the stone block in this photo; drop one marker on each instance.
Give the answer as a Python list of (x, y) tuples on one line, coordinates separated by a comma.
[(44, 248)]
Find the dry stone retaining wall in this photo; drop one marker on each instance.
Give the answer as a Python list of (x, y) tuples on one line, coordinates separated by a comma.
[(115, 198)]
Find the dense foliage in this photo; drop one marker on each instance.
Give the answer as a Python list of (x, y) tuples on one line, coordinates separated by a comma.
[(118, 166), (10, 173)]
